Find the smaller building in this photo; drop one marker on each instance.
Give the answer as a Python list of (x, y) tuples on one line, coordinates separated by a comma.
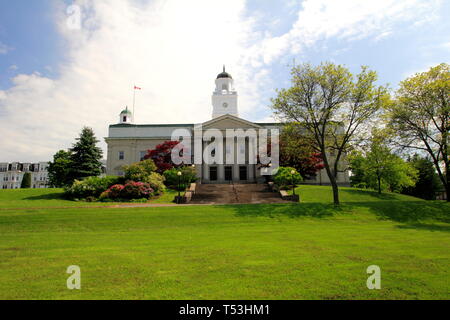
[(11, 174)]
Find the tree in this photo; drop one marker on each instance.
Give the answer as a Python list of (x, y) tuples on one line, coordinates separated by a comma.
[(421, 117), (26, 181), (332, 105), (357, 178), (59, 170), (285, 179), (298, 153), (383, 169), (428, 182), (162, 155), (85, 156), (188, 176)]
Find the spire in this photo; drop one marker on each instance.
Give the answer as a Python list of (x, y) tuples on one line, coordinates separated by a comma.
[(223, 68)]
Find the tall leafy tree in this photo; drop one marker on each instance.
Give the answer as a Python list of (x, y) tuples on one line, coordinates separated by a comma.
[(59, 169), (162, 155), (26, 181), (85, 156), (383, 169), (420, 117), (298, 153), (332, 105)]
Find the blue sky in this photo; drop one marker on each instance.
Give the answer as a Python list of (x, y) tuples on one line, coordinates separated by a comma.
[(64, 78)]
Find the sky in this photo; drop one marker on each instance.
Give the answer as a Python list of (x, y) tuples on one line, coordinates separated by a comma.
[(69, 64)]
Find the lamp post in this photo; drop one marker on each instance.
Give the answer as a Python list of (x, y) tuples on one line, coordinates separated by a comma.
[(179, 186), (292, 180)]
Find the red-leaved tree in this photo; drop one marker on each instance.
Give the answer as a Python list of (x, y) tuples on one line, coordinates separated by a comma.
[(299, 153), (162, 155)]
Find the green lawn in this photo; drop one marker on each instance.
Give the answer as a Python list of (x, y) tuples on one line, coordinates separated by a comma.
[(310, 250), (52, 198)]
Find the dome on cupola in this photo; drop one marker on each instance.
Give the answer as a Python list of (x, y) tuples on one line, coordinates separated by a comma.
[(224, 74), (126, 111), (126, 116)]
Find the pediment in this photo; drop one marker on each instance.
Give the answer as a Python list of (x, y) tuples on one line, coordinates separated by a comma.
[(229, 122)]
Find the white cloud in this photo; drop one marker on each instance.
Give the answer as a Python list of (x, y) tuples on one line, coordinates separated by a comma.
[(173, 50), (346, 20), (4, 49)]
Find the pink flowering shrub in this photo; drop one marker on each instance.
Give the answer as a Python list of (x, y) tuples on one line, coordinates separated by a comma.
[(130, 191), (136, 190)]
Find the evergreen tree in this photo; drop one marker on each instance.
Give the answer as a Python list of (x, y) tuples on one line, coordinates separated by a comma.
[(428, 182), (26, 181), (59, 169), (85, 156)]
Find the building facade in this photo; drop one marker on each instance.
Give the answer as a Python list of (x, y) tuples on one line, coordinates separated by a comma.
[(11, 174), (218, 156)]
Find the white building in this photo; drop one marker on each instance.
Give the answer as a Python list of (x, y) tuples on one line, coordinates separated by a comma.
[(11, 174), (128, 142)]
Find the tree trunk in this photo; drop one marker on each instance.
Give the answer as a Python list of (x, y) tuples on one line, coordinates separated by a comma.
[(447, 191), (335, 192), (379, 185), (332, 178), (447, 185)]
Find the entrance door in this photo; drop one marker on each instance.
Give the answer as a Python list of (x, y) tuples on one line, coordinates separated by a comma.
[(228, 173), (213, 173), (243, 173)]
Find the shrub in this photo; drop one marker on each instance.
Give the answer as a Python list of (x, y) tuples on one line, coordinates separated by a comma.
[(139, 171), (136, 190), (90, 187), (188, 176), (284, 178), (26, 181), (156, 182), (130, 191)]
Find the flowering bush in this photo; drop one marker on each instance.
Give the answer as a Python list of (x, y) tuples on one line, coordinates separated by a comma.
[(136, 190), (131, 190), (156, 182), (90, 187)]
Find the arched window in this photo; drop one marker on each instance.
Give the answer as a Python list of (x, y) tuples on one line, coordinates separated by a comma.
[(125, 119), (224, 86)]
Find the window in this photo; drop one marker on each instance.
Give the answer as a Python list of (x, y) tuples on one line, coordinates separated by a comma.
[(121, 155), (142, 155), (124, 119), (224, 87)]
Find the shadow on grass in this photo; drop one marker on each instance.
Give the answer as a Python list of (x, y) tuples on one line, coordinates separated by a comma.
[(373, 194), (49, 196), (408, 211), (426, 226), (413, 214), (292, 210)]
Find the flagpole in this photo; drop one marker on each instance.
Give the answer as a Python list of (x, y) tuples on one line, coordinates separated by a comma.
[(134, 99)]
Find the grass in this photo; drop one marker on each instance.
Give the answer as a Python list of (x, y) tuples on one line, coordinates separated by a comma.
[(51, 198), (311, 250)]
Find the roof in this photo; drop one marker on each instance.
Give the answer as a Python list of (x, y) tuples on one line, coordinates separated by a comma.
[(126, 111), (126, 125), (224, 74)]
